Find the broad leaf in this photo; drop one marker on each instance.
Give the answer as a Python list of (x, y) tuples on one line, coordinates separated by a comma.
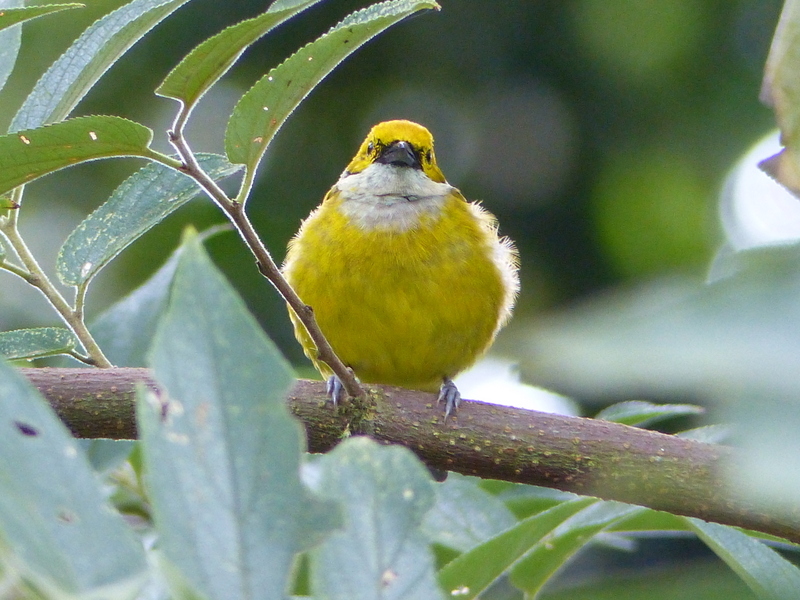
[(136, 206), (68, 79), (641, 414), (221, 452), (53, 513), (465, 515), (209, 61), (551, 553), (264, 108), (10, 40), (125, 330), (765, 571), (12, 16), (473, 572), (382, 553), (30, 154), (36, 343)]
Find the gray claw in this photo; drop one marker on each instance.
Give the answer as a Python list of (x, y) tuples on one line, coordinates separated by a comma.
[(450, 395), (335, 389)]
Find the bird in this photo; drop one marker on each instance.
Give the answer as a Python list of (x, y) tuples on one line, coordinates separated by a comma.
[(408, 281)]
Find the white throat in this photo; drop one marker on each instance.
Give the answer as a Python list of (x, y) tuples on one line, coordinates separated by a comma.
[(389, 197)]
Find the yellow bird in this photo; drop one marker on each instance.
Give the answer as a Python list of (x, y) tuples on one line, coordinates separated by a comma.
[(409, 282)]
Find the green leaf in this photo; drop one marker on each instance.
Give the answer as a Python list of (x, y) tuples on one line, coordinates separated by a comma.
[(526, 500), (53, 514), (649, 520), (708, 434), (36, 343), (68, 79), (221, 452), (641, 414), (264, 108), (30, 154), (552, 552), (136, 206), (209, 61), (12, 16), (126, 329), (465, 515), (381, 554), (473, 572), (765, 571), (7, 203), (9, 43)]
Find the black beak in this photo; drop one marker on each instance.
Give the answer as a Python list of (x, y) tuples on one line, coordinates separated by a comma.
[(399, 154)]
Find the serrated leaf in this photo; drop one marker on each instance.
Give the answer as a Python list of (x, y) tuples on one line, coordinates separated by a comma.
[(765, 571), (53, 514), (10, 41), (382, 553), (68, 79), (27, 155), (465, 515), (552, 552), (641, 413), (221, 451), (35, 343), (209, 61), (473, 572), (136, 206), (266, 106), (12, 16)]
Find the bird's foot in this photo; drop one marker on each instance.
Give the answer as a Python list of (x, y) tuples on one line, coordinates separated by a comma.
[(450, 395), (335, 390)]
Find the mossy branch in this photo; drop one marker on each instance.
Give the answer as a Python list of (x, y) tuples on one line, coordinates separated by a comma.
[(585, 456)]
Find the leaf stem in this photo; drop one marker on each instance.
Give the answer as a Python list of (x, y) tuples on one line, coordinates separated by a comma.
[(35, 276), (235, 211)]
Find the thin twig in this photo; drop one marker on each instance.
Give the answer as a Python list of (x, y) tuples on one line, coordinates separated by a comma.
[(235, 211), (35, 276)]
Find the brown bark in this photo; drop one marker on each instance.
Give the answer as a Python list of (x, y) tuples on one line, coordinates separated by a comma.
[(585, 456)]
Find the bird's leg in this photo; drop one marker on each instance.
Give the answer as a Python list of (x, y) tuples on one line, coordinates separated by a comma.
[(335, 389), (450, 395)]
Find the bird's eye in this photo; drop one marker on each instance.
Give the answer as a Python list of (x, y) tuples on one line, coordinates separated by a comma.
[(429, 156), (370, 148)]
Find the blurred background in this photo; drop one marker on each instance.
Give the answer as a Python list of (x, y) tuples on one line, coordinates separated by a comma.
[(600, 134)]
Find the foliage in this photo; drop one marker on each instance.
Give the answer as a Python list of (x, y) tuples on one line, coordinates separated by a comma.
[(220, 479)]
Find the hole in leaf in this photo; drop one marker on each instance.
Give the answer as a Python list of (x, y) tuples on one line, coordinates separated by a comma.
[(26, 429), (66, 516)]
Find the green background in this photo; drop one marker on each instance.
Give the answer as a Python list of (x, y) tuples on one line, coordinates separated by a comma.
[(598, 132)]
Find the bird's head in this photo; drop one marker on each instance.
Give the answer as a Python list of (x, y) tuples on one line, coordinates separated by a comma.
[(402, 144)]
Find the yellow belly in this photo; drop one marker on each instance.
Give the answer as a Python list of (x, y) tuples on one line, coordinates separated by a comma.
[(406, 308)]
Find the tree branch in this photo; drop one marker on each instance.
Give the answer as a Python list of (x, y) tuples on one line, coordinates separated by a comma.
[(585, 456)]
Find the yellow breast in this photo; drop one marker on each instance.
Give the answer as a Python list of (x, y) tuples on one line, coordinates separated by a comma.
[(406, 297)]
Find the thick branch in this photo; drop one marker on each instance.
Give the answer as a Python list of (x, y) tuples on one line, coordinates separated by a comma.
[(585, 456)]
